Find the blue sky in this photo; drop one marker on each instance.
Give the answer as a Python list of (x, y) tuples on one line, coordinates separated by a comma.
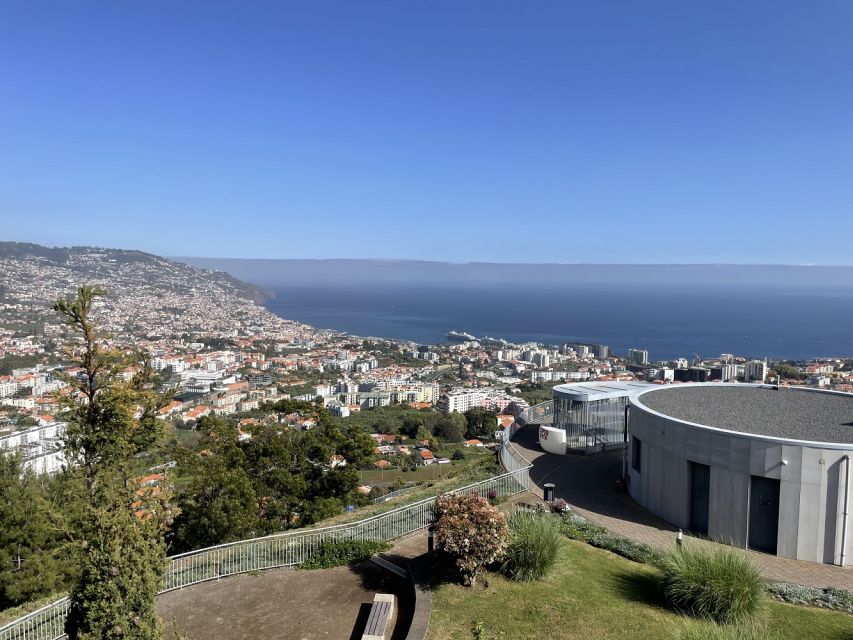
[(612, 132)]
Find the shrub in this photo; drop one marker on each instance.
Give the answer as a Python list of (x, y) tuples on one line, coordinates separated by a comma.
[(577, 528), (830, 598), (718, 584), (635, 551), (533, 546), (471, 531), (559, 506), (343, 552)]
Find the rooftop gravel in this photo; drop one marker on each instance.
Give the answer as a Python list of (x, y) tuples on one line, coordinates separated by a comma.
[(799, 414)]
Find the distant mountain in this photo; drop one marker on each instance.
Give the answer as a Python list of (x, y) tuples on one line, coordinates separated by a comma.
[(282, 273)]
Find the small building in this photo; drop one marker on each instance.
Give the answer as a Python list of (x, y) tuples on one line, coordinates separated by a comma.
[(589, 415)]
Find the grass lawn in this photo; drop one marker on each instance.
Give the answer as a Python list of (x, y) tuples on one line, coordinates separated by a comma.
[(594, 594), (430, 472)]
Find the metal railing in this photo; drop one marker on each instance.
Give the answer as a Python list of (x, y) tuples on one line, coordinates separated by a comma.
[(284, 549), (395, 494), (542, 413)]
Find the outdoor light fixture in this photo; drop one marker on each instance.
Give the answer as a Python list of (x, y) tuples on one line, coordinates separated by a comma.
[(679, 538)]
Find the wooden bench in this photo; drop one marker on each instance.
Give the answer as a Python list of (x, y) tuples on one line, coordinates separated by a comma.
[(380, 615)]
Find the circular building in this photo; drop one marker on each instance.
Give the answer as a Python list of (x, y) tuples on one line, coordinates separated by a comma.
[(754, 466)]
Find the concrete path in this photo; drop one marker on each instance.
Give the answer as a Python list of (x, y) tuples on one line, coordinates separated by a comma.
[(588, 484)]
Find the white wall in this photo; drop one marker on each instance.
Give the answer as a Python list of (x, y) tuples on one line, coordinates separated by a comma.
[(552, 440)]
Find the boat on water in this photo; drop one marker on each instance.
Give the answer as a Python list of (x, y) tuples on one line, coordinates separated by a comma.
[(459, 336)]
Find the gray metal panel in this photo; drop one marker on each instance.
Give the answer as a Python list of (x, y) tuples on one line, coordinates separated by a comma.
[(728, 506), (789, 503)]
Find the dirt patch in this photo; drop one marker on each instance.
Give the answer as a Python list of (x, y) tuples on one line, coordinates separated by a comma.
[(285, 603)]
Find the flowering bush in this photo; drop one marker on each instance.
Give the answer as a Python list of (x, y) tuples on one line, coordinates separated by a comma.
[(471, 531), (559, 506)]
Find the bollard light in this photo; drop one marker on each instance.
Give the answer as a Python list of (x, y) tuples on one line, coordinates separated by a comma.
[(679, 538), (430, 539)]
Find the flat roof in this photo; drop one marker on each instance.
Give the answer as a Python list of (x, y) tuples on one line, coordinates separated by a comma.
[(788, 412), (589, 391)]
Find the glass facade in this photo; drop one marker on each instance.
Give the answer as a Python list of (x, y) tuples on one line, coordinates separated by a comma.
[(590, 423)]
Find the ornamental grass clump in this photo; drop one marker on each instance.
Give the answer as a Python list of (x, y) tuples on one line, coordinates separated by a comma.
[(470, 531), (722, 584), (533, 546)]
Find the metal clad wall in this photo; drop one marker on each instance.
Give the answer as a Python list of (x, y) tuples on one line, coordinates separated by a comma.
[(811, 491)]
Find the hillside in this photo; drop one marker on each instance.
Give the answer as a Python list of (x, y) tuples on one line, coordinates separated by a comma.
[(147, 294)]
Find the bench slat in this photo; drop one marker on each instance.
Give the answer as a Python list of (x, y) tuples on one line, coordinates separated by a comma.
[(380, 615), (378, 620)]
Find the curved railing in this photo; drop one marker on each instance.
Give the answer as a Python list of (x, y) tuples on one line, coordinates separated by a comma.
[(542, 413), (284, 549)]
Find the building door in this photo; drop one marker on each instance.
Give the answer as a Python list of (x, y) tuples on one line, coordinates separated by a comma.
[(763, 514), (700, 492)]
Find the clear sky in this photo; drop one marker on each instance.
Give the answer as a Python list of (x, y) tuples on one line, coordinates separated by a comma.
[(560, 131)]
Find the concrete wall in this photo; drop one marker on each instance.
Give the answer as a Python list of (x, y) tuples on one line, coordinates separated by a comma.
[(811, 499)]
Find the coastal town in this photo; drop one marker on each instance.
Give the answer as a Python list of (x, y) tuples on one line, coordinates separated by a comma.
[(219, 352)]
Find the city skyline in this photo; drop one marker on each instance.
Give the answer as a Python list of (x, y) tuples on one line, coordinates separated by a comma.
[(629, 135)]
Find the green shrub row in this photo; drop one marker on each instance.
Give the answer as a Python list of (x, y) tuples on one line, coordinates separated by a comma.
[(343, 552), (578, 528), (830, 598), (636, 551)]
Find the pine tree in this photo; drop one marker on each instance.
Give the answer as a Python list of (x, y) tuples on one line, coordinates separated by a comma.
[(119, 534), (31, 551)]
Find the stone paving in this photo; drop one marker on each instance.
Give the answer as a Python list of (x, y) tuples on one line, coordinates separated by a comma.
[(589, 484)]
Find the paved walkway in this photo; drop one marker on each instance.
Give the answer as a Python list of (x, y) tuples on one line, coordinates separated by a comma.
[(588, 484), (287, 604)]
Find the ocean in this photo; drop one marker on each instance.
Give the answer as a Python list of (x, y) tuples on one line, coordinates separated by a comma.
[(670, 322)]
